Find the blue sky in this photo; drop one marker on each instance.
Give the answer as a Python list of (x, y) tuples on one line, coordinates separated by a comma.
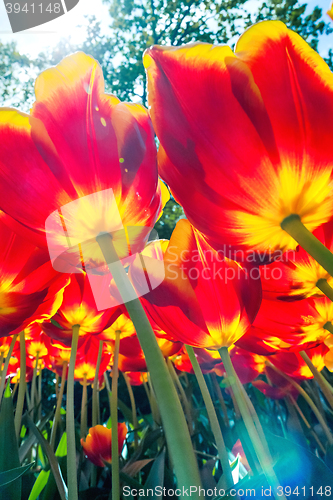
[(37, 39)]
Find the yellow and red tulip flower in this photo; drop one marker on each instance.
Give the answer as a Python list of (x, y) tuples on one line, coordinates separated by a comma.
[(245, 136), (328, 359), (97, 445), (123, 325), (330, 11), (58, 355), (137, 378), (275, 392), (131, 355), (30, 289), (78, 141), (295, 274), (78, 308), (132, 358), (292, 364), (204, 300), (248, 365), (293, 326), (86, 360)]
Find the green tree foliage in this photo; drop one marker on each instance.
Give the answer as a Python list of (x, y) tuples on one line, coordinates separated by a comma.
[(171, 214), (16, 81), (137, 24)]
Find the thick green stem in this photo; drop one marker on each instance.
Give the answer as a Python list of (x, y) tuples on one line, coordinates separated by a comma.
[(174, 422), (57, 414), (22, 386), (84, 426), (219, 395), (214, 423), (322, 382), (325, 288), (1, 362), (33, 387), (133, 406), (256, 421), (95, 399), (114, 421), (301, 414), (70, 421), (5, 368), (186, 403), (296, 229), (329, 327), (308, 400), (39, 404), (263, 458)]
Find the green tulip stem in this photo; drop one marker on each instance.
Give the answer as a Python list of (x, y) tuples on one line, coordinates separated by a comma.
[(308, 400), (114, 421), (213, 420), (264, 459), (95, 399), (324, 287), (133, 406), (5, 368), (70, 420), (296, 229), (83, 423), (57, 414), (173, 419), (22, 386), (321, 381)]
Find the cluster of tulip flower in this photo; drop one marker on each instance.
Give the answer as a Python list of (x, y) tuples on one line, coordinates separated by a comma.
[(242, 292)]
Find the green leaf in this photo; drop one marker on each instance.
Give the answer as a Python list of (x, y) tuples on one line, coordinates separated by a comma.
[(156, 474), (62, 488), (11, 475), (39, 485), (62, 446), (9, 454)]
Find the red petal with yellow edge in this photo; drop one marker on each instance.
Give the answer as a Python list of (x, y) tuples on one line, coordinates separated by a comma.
[(291, 326), (173, 305), (297, 87), (24, 177), (70, 97), (248, 141), (30, 289), (79, 141), (198, 302)]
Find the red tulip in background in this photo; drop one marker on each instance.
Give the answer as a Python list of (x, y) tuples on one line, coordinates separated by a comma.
[(295, 275), (293, 326), (30, 289), (97, 445), (78, 308), (245, 136), (205, 300)]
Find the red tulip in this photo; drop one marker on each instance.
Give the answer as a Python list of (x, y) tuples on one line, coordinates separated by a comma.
[(97, 445), (83, 146), (293, 326), (86, 359), (245, 136), (30, 289), (292, 364), (295, 275), (78, 308), (204, 300)]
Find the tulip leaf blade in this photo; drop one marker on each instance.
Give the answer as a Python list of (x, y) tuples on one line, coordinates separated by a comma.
[(11, 475), (8, 441)]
